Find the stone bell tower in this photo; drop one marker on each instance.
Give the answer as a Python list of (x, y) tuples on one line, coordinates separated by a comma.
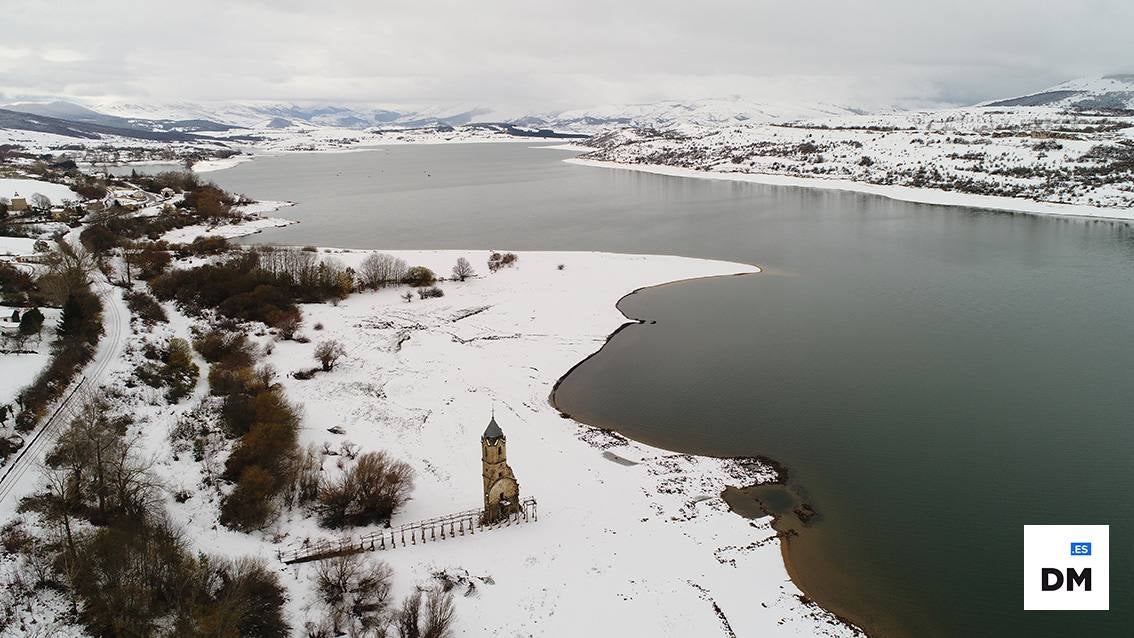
[(501, 491)]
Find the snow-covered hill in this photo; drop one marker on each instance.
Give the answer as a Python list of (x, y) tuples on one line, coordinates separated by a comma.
[(283, 114), (1033, 159), (1098, 92), (682, 115)]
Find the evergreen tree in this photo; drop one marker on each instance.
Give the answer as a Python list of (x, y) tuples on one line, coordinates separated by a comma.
[(71, 323), (31, 322)]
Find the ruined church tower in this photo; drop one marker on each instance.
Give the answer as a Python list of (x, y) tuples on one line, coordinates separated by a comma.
[(501, 491)]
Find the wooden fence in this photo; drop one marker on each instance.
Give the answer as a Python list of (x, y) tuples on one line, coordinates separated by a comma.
[(419, 532)]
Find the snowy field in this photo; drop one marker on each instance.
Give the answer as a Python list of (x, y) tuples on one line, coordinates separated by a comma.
[(243, 228), (1037, 160), (902, 193), (16, 246), (18, 370), (631, 540), (57, 193)]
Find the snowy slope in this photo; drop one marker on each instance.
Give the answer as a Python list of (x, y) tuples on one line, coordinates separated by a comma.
[(1096, 92), (282, 114), (696, 113), (631, 540), (1042, 153), (57, 193), (683, 115)]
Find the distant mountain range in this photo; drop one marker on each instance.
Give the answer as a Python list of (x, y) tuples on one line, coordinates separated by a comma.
[(188, 117), (1105, 92), (184, 120), (97, 125)]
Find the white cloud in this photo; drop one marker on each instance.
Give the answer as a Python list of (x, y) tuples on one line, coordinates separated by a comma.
[(62, 55)]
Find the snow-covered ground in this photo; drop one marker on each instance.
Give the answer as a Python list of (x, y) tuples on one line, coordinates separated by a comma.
[(16, 246), (57, 193), (250, 226), (902, 193), (631, 540), (210, 165), (1032, 159), (24, 477), (19, 369)]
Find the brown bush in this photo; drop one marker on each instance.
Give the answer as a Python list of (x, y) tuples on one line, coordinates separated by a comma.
[(370, 492), (145, 307), (496, 261), (209, 245), (150, 261), (241, 411), (230, 349), (250, 505), (419, 276)]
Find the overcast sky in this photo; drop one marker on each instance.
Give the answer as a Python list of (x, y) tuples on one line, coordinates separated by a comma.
[(539, 55)]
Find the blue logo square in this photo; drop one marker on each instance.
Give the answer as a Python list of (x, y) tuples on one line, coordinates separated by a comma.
[(1080, 549)]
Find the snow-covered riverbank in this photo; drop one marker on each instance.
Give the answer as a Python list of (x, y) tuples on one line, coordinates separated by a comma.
[(630, 539), (254, 223), (902, 193)]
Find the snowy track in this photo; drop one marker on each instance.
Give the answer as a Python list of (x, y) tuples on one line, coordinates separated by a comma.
[(20, 477)]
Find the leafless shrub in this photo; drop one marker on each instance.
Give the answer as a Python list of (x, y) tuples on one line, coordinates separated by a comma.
[(349, 450), (369, 492), (379, 270), (356, 592), (435, 621), (328, 353), (306, 473), (496, 261)]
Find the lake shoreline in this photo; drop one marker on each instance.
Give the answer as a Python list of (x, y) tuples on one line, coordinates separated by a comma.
[(877, 269), (901, 193), (804, 511)]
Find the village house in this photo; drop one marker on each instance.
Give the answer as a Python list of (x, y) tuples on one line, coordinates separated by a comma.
[(17, 204)]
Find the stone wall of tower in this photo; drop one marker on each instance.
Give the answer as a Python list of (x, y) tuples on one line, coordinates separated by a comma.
[(494, 458), (499, 481)]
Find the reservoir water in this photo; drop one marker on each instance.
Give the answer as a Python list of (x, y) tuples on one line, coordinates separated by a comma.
[(932, 377)]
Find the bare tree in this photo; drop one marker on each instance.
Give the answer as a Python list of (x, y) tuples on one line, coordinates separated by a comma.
[(406, 618), (306, 468), (39, 203), (439, 614), (328, 353), (287, 322), (463, 270), (68, 270), (356, 592), (106, 472), (380, 269)]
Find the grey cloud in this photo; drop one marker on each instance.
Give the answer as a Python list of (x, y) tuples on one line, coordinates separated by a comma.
[(560, 55)]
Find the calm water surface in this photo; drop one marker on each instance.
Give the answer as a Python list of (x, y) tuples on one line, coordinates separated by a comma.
[(934, 378)]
